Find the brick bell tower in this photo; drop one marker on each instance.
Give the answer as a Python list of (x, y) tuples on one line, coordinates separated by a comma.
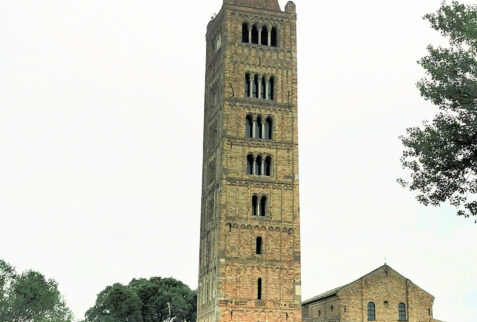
[(250, 221)]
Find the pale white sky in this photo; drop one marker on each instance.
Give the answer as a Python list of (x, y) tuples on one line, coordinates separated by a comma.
[(101, 110)]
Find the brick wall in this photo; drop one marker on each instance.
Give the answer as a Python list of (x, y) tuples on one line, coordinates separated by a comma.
[(385, 288), (229, 266)]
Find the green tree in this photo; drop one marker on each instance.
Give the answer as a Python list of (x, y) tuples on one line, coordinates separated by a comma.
[(442, 154), (29, 297), (154, 300)]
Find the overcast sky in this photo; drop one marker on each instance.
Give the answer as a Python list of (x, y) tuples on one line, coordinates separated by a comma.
[(101, 111)]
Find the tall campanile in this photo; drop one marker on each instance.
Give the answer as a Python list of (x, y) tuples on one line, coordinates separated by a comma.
[(250, 216)]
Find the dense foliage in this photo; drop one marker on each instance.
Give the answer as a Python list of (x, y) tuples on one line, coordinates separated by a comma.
[(29, 297), (154, 300), (442, 154)]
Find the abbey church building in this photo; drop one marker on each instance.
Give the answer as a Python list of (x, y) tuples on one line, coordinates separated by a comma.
[(383, 295)]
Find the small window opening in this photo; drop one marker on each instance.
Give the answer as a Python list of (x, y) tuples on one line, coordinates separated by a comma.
[(249, 126), (255, 86), (402, 311), (249, 164), (267, 171), (371, 311), (255, 206), (263, 85), (245, 33), (268, 128), (258, 166), (258, 128), (229, 226), (264, 36), (255, 35), (271, 88), (247, 85), (263, 206), (332, 308), (274, 37), (259, 289), (258, 246)]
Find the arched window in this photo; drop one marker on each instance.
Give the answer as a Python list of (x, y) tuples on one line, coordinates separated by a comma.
[(267, 171), (371, 311), (249, 164), (402, 311), (264, 36), (255, 86), (263, 85), (274, 36), (258, 166), (245, 38), (249, 126), (268, 128), (258, 128), (271, 88), (258, 246), (259, 289), (247, 85), (254, 35), (255, 206), (263, 206)]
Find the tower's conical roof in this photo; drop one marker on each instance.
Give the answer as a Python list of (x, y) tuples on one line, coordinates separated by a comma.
[(261, 4)]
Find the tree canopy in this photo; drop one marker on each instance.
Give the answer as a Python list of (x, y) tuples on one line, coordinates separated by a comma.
[(442, 155), (142, 300), (29, 297)]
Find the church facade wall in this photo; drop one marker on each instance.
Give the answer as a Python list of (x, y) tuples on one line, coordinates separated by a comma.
[(386, 289)]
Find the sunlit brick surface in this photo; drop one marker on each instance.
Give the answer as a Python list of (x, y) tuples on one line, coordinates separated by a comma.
[(229, 266), (384, 287)]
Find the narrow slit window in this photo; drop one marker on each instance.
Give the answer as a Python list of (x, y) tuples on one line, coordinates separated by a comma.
[(258, 246), (259, 289)]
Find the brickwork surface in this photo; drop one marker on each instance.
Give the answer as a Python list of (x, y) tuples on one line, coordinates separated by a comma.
[(384, 287), (230, 269)]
